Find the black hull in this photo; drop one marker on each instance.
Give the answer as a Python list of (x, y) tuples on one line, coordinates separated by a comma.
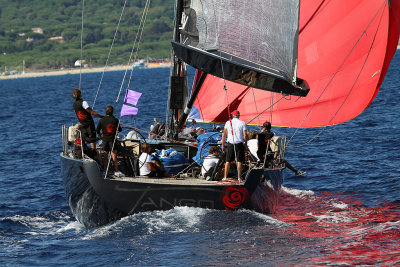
[(96, 201)]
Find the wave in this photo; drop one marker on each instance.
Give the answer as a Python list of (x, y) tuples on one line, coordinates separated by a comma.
[(33, 225), (183, 220)]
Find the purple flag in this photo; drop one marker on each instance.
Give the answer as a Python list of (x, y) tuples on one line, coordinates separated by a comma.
[(128, 110), (132, 97)]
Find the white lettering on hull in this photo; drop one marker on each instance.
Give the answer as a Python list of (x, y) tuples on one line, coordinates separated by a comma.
[(163, 203)]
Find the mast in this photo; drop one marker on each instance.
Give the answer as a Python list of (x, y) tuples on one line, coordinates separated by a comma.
[(178, 79)]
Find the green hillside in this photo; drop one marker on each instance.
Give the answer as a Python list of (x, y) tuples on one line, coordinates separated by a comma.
[(47, 34)]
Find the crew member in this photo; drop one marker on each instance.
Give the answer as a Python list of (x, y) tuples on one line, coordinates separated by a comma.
[(264, 139), (149, 166), (84, 114), (210, 163), (107, 129), (235, 133)]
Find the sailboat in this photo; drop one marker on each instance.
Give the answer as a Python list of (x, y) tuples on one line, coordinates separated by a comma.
[(309, 64)]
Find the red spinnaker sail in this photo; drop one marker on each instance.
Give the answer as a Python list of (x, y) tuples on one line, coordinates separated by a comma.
[(345, 48)]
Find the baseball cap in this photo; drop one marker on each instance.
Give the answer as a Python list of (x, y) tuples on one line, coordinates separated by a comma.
[(235, 113)]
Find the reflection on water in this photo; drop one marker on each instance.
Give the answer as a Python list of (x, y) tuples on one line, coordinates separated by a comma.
[(349, 232)]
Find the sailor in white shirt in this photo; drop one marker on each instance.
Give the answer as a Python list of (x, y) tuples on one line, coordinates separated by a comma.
[(252, 145), (145, 162), (235, 133), (210, 162)]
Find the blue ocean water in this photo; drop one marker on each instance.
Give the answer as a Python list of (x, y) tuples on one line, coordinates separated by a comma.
[(345, 210)]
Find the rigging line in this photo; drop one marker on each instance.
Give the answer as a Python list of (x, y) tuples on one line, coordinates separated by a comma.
[(220, 58), (109, 52), (270, 112), (283, 97), (352, 87), (143, 21), (80, 71), (225, 89), (132, 68), (102, 76), (139, 30), (337, 71), (309, 141), (255, 104), (169, 114)]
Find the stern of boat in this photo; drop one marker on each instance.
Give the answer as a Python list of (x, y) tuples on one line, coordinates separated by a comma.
[(86, 205)]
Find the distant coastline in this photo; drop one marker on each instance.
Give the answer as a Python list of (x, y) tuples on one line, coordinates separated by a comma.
[(74, 71), (33, 74)]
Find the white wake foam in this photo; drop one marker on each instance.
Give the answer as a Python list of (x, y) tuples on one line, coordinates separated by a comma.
[(43, 225), (266, 218), (297, 192)]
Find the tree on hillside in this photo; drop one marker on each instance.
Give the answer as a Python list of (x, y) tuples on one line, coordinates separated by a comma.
[(158, 27), (92, 36), (63, 18)]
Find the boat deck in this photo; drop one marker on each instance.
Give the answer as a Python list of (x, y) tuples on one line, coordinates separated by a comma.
[(176, 181)]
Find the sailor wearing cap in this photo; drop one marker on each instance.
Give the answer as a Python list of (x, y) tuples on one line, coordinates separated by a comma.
[(235, 133)]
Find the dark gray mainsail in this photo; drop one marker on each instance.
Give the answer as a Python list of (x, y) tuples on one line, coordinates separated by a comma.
[(249, 42)]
